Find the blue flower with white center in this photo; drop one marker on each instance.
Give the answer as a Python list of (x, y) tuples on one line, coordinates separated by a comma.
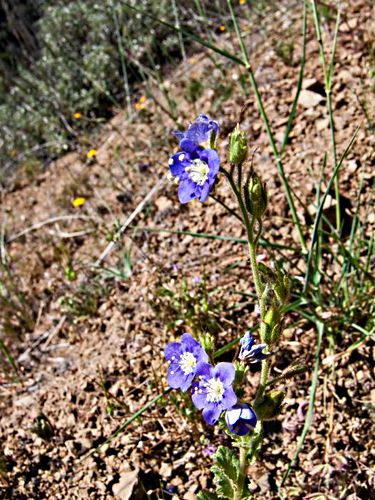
[(213, 393), (195, 167), (252, 353), (196, 172), (198, 132), (184, 359), (241, 419)]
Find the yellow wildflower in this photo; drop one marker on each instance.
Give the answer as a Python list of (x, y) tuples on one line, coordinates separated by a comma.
[(242, 2), (138, 105), (142, 99), (222, 28), (91, 153), (79, 201), (77, 115)]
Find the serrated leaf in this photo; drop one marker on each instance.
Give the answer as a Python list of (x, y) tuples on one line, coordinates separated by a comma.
[(226, 471), (228, 461)]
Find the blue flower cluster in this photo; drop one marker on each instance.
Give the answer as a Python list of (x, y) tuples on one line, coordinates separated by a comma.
[(194, 166), (212, 390)]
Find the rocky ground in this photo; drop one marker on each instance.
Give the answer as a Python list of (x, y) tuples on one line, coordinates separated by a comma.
[(95, 354)]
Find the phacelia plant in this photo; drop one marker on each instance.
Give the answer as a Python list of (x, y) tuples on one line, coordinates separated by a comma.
[(217, 389)]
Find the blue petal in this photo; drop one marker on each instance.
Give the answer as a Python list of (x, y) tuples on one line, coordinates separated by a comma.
[(186, 382), (225, 372), (188, 145), (229, 398), (186, 190), (205, 370), (211, 413), (205, 190), (211, 157), (177, 168), (172, 349), (177, 378), (233, 415), (247, 341), (188, 342), (199, 398)]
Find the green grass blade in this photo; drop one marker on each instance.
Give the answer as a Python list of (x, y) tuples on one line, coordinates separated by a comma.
[(267, 125), (262, 242), (299, 83), (190, 35), (320, 211)]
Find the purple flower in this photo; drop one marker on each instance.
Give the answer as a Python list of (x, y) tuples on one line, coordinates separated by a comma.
[(184, 359), (196, 171), (241, 419), (250, 352), (197, 133), (214, 392), (209, 450)]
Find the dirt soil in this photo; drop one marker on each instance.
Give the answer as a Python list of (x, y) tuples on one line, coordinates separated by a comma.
[(95, 355)]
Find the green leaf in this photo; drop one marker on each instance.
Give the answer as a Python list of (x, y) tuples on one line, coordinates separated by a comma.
[(226, 471)]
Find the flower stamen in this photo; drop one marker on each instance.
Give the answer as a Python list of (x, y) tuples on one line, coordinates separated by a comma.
[(187, 362), (198, 171), (215, 390)]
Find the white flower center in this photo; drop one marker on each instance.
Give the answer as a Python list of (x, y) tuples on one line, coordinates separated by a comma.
[(215, 390), (187, 362), (198, 171)]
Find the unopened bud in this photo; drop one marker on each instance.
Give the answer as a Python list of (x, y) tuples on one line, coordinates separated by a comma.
[(241, 370), (207, 342), (271, 326), (238, 146), (255, 196), (270, 405)]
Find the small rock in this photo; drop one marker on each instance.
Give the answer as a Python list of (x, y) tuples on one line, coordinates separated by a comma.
[(126, 487), (165, 470), (309, 99)]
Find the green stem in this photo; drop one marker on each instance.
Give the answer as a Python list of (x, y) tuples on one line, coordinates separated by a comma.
[(263, 380), (256, 275), (224, 205), (242, 473), (333, 141)]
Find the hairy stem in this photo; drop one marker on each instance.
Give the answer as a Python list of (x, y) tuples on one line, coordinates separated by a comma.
[(242, 473)]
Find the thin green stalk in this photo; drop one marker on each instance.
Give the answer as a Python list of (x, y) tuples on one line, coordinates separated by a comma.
[(263, 380), (122, 59), (256, 276), (271, 139), (224, 205), (328, 85), (320, 211), (299, 84), (262, 243), (242, 473), (177, 21)]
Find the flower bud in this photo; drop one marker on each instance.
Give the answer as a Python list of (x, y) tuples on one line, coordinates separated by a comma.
[(207, 341), (241, 419), (271, 326), (238, 146), (241, 370), (270, 406), (255, 196)]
